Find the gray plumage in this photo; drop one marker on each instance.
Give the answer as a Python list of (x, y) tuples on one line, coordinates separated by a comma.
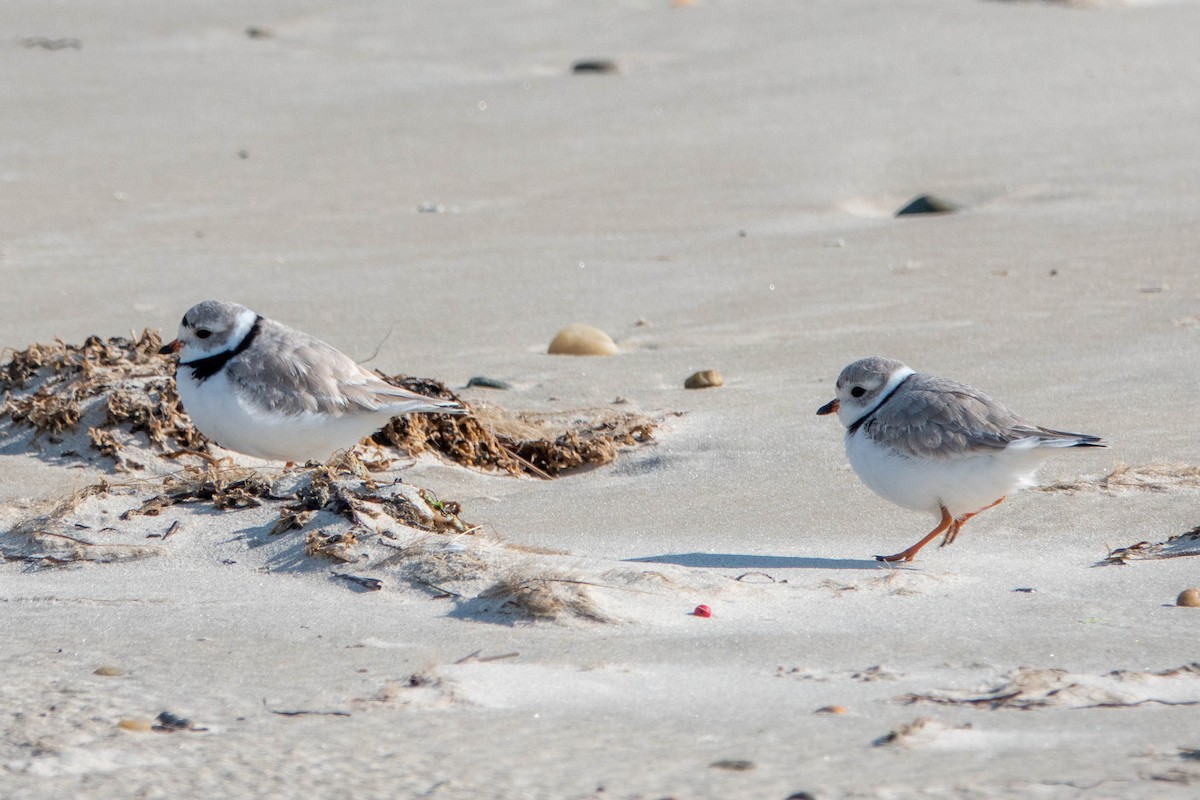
[(940, 418), (290, 372), (294, 372)]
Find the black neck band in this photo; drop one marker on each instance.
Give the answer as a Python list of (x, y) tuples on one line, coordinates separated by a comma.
[(858, 423), (204, 368)]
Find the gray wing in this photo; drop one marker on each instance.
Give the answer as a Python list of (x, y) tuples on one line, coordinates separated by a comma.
[(290, 372), (938, 418)]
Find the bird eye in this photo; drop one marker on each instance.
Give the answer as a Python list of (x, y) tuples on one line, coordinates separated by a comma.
[(857, 391), (203, 333)]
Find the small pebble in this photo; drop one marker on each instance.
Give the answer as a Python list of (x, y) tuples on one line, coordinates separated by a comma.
[(488, 383), (702, 611), (831, 710), (704, 379), (167, 721), (52, 44), (927, 204), (594, 66), (1189, 598), (140, 725), (582, 340), (109, 671)]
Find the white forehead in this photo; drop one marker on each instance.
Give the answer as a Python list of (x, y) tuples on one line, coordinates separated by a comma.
[(869, 371), (214, 314)]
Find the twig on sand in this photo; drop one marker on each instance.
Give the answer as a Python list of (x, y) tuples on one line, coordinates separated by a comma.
[(304, 712), (442, 592), (369, 584), (475, 658)]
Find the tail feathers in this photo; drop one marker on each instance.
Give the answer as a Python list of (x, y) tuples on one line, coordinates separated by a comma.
[(426, 405), (399, 400), (450, 407), (1051, 438)]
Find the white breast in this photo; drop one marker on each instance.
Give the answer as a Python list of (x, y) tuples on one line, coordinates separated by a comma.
[(963, 484), (220, 414)]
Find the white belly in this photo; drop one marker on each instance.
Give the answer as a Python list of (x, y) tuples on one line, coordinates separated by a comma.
[(219, 414), (963, 485)]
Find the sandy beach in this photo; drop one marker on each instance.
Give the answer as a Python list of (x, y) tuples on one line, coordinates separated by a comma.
[(433, 189)]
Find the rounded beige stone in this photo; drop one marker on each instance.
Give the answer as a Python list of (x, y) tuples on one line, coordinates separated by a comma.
[(1189, 598), (582, 340), (704, 379), (138, 725)]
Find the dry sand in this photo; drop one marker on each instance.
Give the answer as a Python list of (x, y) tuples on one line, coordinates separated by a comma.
[(731, 185)]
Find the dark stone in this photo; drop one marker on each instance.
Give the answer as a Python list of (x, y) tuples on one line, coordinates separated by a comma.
[(595, 66), (172, 722), (927, 204), (488, 383)]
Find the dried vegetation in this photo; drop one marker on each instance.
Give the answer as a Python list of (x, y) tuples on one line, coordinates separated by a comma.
[(391, 531), (1126, 477), (1029, 688), (121, 393), (119, 387), (114, 399), (1184, 544), (547, 596)]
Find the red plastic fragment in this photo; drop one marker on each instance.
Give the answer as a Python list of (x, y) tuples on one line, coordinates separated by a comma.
[(703, 611)]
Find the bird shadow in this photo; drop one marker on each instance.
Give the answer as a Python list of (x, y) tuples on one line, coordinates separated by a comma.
[(751, 561)]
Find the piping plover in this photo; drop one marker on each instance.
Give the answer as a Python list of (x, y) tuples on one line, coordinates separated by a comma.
[(261, 388), (932, 444)]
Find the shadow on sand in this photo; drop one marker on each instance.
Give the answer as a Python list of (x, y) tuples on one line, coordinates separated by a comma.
[(749, 561)]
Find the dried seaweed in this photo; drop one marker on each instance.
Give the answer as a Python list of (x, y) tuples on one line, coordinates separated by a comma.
[(430, 514), (589, 446), (541, 445), (290, 519), (1183, 544), (323, 492), (225, 488), (431, 563), (552, 596), (46, 411), (904, 733), (132, 380), (920, 730), (53, 387), (43, 539), (1028, 688), (336, 546), (1126, 477)]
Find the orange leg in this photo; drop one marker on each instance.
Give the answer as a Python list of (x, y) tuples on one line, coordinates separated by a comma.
[(956, 526), (910, 553)]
